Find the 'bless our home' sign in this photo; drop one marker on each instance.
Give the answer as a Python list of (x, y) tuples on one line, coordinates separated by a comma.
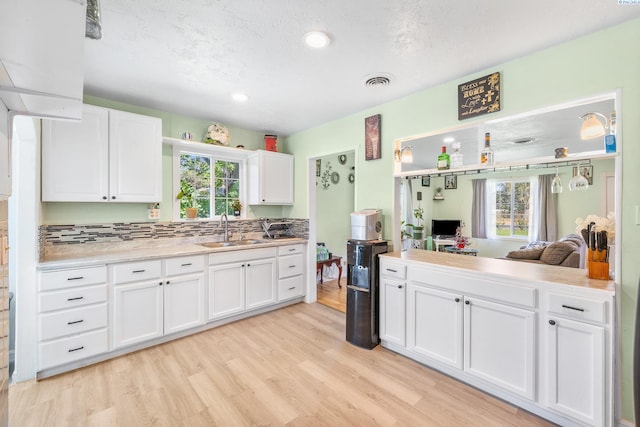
[(479, 96)]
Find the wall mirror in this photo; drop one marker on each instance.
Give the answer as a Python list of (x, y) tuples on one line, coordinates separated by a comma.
[(524, 147)]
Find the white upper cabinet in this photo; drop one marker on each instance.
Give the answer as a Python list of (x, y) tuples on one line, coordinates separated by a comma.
[(270, 178), (109, 156), (42, 56)]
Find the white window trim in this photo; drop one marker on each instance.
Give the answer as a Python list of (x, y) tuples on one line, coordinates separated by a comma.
[(175, 179), (491, 207)]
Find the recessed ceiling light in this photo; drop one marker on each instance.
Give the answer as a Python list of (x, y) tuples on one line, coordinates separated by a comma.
[(240, 97), (316, 39)]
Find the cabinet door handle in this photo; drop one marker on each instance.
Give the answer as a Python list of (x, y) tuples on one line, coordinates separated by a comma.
[(552, 322), (248, 265), (75, 321), (399, 286), (292, 288), (71, 350), (392, 270), (467, 302), (75, 299), (457, 300), (138, 271), (75, 278), (113, 197), (104, 197), (573, 308), (168, 282), (160, 284)]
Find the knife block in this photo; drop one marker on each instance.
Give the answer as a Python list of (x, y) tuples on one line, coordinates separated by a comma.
[(597, 266)]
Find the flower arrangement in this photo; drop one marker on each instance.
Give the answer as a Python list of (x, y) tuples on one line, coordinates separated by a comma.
[(607, 224), (461, 241)]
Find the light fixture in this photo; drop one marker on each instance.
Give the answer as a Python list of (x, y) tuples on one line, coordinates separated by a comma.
[(448, 139), (240, 97), (93, 27), (316, 39), (591, 126), (556, 184), (404, 154)]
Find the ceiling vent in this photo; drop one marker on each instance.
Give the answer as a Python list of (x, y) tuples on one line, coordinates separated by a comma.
[(377, 80)]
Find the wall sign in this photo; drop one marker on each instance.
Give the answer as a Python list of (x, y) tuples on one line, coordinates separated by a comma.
[(372, 137), (480, 96)]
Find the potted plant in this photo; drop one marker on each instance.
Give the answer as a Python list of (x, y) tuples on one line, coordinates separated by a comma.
[(188, 192), (236, 205), (418, 230)]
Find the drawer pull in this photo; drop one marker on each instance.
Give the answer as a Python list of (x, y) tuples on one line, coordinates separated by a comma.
[(75, 298), (186, 264), (399, 286), (292, 288), (392, 270), (138, 271), (292, 250), (552, 322), (292, 266), (75, 278), (71, 350), (75, 321), (572, 308)]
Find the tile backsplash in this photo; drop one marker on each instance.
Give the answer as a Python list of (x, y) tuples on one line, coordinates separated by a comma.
[(54, 237)]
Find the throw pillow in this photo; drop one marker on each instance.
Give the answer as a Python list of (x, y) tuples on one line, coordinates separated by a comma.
[(533, 253), (556, 252)]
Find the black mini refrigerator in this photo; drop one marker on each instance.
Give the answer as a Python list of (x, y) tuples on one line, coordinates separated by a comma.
[(362, 291)]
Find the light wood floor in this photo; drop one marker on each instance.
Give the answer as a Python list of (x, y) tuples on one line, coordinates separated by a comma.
[(331, 295), (291, 367)]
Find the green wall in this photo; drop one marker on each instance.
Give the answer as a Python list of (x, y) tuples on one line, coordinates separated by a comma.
[(173, 125), (595, 64), (335, 204)]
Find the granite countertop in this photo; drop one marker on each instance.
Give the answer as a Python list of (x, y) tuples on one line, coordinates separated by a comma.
[(87, 255), (500, 268)]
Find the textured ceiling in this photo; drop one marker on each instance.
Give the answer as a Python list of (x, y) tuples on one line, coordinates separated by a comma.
[(189, 56)]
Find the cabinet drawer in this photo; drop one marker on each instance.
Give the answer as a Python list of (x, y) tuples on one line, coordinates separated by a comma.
[(61, 279), (70, 298), (72, 321), (396, 271), (73, 348), (183, 265), (290, 266), (136, 271), (578, 308), (290, 288), (291, 249)]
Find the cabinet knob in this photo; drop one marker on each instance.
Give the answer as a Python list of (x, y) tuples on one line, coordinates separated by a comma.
[(248, 265), (113, 197), (552, 322), (160, 284), (168, 282), (399, 286), (457, 300), (467, 302), (104, 197)]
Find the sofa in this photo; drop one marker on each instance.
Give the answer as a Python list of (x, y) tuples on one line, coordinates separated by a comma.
[(569, 251)]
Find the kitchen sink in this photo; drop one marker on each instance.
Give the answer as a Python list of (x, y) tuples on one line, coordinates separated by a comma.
[(233, 243), (218, 244)]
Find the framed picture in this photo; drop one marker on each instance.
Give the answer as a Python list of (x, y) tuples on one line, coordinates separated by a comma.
[(450, 182), (372, 149), (586, 171), (318, 166), (426, 181)]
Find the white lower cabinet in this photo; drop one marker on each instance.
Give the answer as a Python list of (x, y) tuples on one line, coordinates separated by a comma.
[(576, 359), (290, 271), (240, 281), (168, 299), (542, 346)]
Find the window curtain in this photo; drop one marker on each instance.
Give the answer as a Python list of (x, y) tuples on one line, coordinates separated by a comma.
[(543, 216), (479, 209), (407, 202)]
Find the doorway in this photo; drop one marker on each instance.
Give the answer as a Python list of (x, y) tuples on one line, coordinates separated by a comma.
[(335, 200)]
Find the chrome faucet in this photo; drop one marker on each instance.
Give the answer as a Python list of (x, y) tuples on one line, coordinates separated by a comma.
[(226, 226)]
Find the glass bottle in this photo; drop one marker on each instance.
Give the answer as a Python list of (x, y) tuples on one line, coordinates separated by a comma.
[(456, 156), (443, 159), (486, 156)]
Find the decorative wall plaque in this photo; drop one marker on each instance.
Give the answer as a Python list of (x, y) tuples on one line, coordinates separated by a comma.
[(479, 96)]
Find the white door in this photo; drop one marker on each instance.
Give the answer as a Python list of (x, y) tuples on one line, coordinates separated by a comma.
[(137, 312), (392, 311), (226, 290), (499, 343), (183, 302), (75, 158), (434, 324), (135, 157), (277, 178), (260, 283), (575, 363)]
